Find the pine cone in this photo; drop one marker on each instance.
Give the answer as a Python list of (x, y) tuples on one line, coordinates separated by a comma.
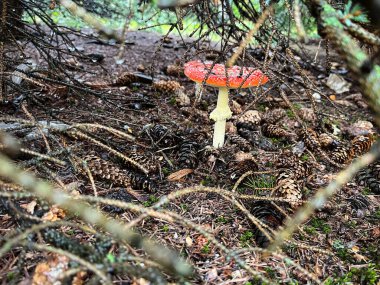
[(274, 115), (167, 87), (307, 115), (249, 120), (286, 159), (302, 170), (370, 177), (361, 145), (241, 142), (237, 168), (161, 135), (143, 160), (106, 170), (288, 187), (142, 182), (236, 107), (341, 154), (310, 138), (327, 142), (267, 214), (359, 202), (174, 70), (109, 172), (188, 154), (274, 131), (125, 78), (120, 195)]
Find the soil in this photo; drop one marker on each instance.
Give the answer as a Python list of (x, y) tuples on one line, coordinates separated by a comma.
[(342, 236)]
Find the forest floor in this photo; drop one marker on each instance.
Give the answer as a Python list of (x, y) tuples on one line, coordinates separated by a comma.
[(172, 136)]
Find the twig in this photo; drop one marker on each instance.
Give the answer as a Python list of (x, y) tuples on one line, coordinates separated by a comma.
[(90, 19), (45, 191)]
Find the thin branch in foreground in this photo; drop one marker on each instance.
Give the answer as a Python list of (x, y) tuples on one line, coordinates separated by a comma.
[(43, 190)]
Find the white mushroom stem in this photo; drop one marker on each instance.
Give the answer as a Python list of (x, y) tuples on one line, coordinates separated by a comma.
[(221, 113)]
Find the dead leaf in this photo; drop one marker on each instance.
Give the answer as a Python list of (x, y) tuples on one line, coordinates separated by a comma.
[(376, 232), (79, 278), (54, 214), (29, 207), (338, 83), (176, 176), (345, 103), (47, 273), (355, 248), (360, 257), (189, 241), (212, 274), (98, 84)]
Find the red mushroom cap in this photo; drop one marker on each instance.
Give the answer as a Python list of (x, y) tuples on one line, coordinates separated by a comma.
[(220, 76)]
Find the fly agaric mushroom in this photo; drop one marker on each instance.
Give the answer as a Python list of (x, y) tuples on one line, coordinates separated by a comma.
[(218, 75)]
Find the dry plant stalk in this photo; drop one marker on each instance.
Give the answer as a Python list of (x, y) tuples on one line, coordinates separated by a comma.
[(90, 19), (249, 37), (43, 190)]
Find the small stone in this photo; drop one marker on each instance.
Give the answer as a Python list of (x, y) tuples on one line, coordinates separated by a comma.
[(236, 108), (182, 99), (240, 156), (317, 97), (141, 68), (231, 128)]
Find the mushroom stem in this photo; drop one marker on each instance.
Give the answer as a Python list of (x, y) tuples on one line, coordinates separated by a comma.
[(221, 113), (219, 132)]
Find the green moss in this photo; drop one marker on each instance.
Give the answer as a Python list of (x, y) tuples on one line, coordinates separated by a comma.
[(305, 157), (206, 248), (377, 214), (165, 228), (173, 101), (165, 171), (207, 181), (290, 114), (11, 275), (351, 224), (111, 258), (321, 225), (152, 200), (221, 220), (342, 251), (271, 272), (310, 230), (184, 207), (368, 275), (246, 237), (261, 108), (366, 191)]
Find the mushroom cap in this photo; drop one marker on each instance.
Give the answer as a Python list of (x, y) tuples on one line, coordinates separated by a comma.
[(220, 76)]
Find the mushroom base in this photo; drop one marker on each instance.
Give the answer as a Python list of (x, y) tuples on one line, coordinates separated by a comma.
[(219, 132)]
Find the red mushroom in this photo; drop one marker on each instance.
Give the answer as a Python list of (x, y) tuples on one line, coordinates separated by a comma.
[(217, 75)]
